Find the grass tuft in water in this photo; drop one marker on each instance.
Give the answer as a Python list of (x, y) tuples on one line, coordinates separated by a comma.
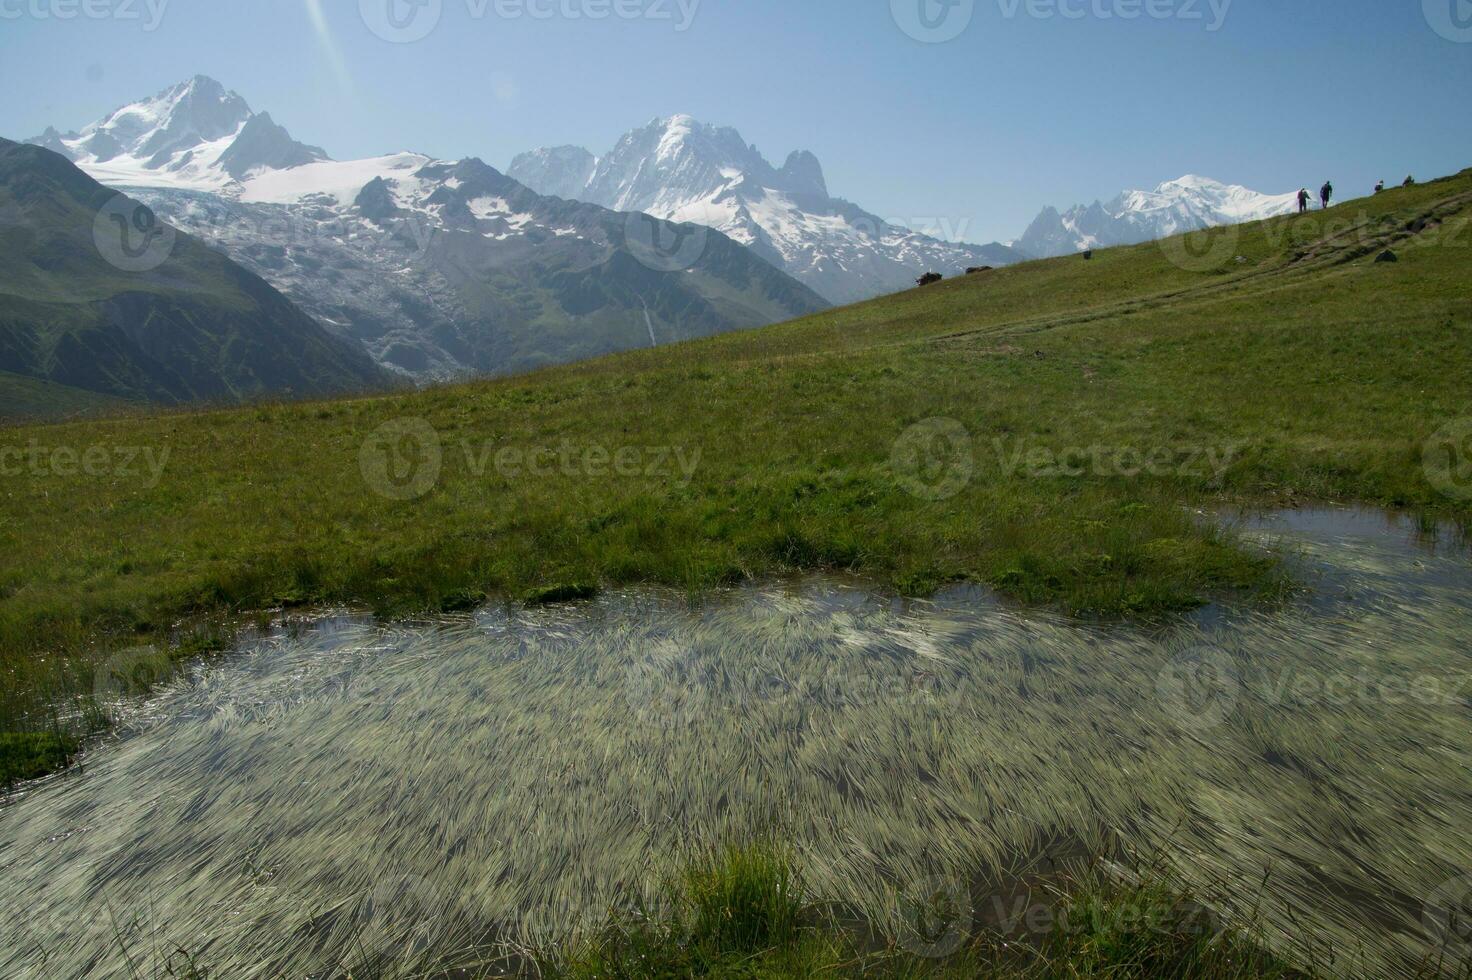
[(29, 755), (742, 913), (553, 594), (743, 899)]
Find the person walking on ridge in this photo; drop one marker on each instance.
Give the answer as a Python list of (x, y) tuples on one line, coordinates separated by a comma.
[(1326, 193), (1303, 201)]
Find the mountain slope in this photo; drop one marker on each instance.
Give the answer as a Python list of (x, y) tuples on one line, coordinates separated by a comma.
[(446, 269), (439, 269), (190, 326), (683, 170), (24, 398), (1190, 203)]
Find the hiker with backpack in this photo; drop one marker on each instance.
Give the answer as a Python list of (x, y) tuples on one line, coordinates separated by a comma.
[(1326, 194), (1380, 187), (1303, 201)]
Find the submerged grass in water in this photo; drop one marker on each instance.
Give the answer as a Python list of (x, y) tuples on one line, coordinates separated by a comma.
[(354, 794)]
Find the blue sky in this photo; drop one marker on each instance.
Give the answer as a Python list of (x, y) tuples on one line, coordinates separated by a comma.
[(1032, 102)]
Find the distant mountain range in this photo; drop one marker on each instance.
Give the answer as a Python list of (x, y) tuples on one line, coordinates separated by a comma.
[(1176, 206), (84, 320), (438, 269), (683, 170), (445, 269)]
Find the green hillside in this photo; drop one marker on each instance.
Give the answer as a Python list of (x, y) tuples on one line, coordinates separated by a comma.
[(1052, 430), (35, 398), (186, 324)]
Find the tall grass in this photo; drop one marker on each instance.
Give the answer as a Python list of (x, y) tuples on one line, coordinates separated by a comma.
[(743, 899)]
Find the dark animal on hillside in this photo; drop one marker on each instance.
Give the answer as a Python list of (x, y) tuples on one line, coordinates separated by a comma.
[(1088, 254), (929, 279), (978, 268)]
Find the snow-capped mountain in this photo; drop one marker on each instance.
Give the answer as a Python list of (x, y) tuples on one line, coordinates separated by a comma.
[(195, 135), (439, 269), (685, 171), (561, 171), (1190, 203)]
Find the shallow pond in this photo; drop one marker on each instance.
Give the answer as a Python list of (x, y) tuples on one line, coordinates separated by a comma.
[(342, 791)]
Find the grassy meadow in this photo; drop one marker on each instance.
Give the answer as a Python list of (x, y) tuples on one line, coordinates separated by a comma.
[(1061, 432), (1054, 430)]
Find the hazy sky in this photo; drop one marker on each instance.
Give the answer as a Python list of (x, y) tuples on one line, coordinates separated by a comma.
[(972, 112)]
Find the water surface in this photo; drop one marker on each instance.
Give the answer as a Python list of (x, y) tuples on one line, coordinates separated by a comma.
[(345, 790)]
